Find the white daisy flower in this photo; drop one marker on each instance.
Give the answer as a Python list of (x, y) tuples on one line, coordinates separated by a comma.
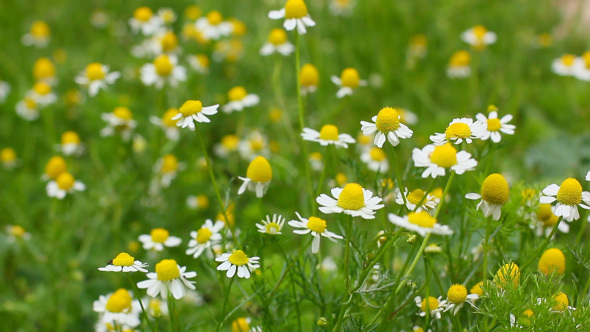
[(568, 196), (348, 81), (420, 222), (200, 63), (459, 130), (253, 145), (124, 263), (167, 168), (257, 178), (4, 91), (96, 76), (64, 184), (70, 144), (478, 36), (169, 278), (145, 21), (169, 126), (272, 227), (376, 159), (457, 296), (315, 161), (237, 261), (494, 126), (158, 239), (118, 308), (213, 27), (121, 121), (193, 110), (459, 65), (41, 94), (316, 227), (228, 144), (437, 159), (414, 197), (327, 135), (295, 15), (38, 36), (202, 239), (164, 70), (8, 158), (239, 99), (277, 43), (167, 15), (309, 77), (44, 70), (27, 109), (16, 233), (156, 307), (434, 305), (494, 194), (582, 65), (564, 65), (165, 42), (546, 220), (197, 202), (353, 200), (387, 125)]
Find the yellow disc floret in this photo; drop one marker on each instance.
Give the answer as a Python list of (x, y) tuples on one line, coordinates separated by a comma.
[(377, 154), (295, 9), (163, 65), (570, 192), (350, 78), (237, 93), (428, 304), (119, 301), (316, 224), (123, 259), (387, 120), (214, 17), (70, 137), (143, 14), (169, 163), (55, 166), (43, 69), (309, 75), (159, 235), (65, 181), (167, 270), (191, 107), (42, 88), (508, 274), (40, 29), (230, 142), (240, 325), (123, 113), (277, 36), (552, 260), (167, 118), (460, 59), (457, 294), (494, 124), (7, 155), (415, 196), (422, 219), (169, 41), (259, 170), (568, 60), (494, 189), (479, 31), (272, 228), (476, 289), (329, 133), (561, 301), (17, 231), (238, 258), (444, 155), (458, 130), (94, 71), (352, 197), (203, 235)]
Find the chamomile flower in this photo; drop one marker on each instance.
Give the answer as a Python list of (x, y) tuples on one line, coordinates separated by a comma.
[(119, 121), (54, 168), (406, 116), (420, 222), (16, 233), (582, 71), (145, 21), (118, 308), (568, 196), (191, 111), (155, 307), (202, 239), (341, 7), (552, 261), (253, 145), (167, 15), (64, 184), (242, 324), (507, 275), (168, 167), (414, 197), (239, 99), (96, 76), (493, 126), (309, 77), (213, 26), (237, 261), (228, 145), (457, 296), (44, 71), (376, 159), (295, 15), (197, 202), (277, 43), (459, 130), (435, 306), (437, 159), (41, 93), (348, 81), (38, 36), (27, 109), (70, 144), (169, 278), (317, 227), (165, 42), (546, 221), (353, 200), (564, 65), (494, 194), (158, 239), (124, 263), (258, 176), (8, 158), (4, 91), (169, 126), (479, 37), (418, 47), (459, 65), (272, 227), (386, 124), (315, 161), (328, 135), (164, 70), (200, 63)]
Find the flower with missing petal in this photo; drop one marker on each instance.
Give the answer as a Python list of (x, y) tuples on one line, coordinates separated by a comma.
[(494, 126), (437, 159), (316, 227), (327, 135), (158, 239), (568, 196), (239, 99), (459, 130), (202, 239), (272, 227), (432, 305), (387, 125), (191, 111), (124, 263), (494, 194), (295, 15), (237, 261), (277, 43), (420, 222), (96, 76), (348, 81), (257, 178), (64, 184)]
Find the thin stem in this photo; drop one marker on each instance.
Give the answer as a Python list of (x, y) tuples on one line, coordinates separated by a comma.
[(398, 175), (172, 312), (224, 305), (543, 245), (347, 252), (138, 296), (485, 249), (292, 288)]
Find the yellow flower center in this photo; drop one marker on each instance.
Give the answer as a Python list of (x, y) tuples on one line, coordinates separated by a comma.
[(528, 313), (119, 301), (214, 17), (159, 235), (40, 29), (508, 274), (169, 163), (457, 294), (387, 120), (562, 302), (203, 235), (42, 88), (237, 93), (240, 325), (418, 329), (458, 130), (377, 154), (238, 258), (352, 197), (350, 78), (444, 155), (277, 36), (154, 307), (169, 41), (460, 59), (163, 65), (167, 118), (259, 170), (30, 103), (329, 133), (94, 71), (143, 14), (202, 201), (494, 189), (570, 192), (123, 259), (437, 192), (316, 224), (341, 179), (192, 12), (477, 289), (544, 212), (309, 75), (55, 166), (316, 156), (7, 155), (422, 219), (586, 57), (70, 137), (43, 68), (295, 9), (167, 270), (272, 228), (428, 304), (479, 31), (494, 124), (552, 260), (65, 181), (191, 107), (256, 143), (415, 196), (568, 60), (17, 231), (123, 113), (203, 60), (230, 142)]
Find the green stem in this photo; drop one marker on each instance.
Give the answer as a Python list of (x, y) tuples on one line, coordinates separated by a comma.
[(543, 245), (347, 252), (138, 296), (485, 249), (224, 305), (398, 176), (292, 288), (581, 231), (172, 312)]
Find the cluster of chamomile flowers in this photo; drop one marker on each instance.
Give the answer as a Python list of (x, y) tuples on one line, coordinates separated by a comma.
[(574, 66)]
